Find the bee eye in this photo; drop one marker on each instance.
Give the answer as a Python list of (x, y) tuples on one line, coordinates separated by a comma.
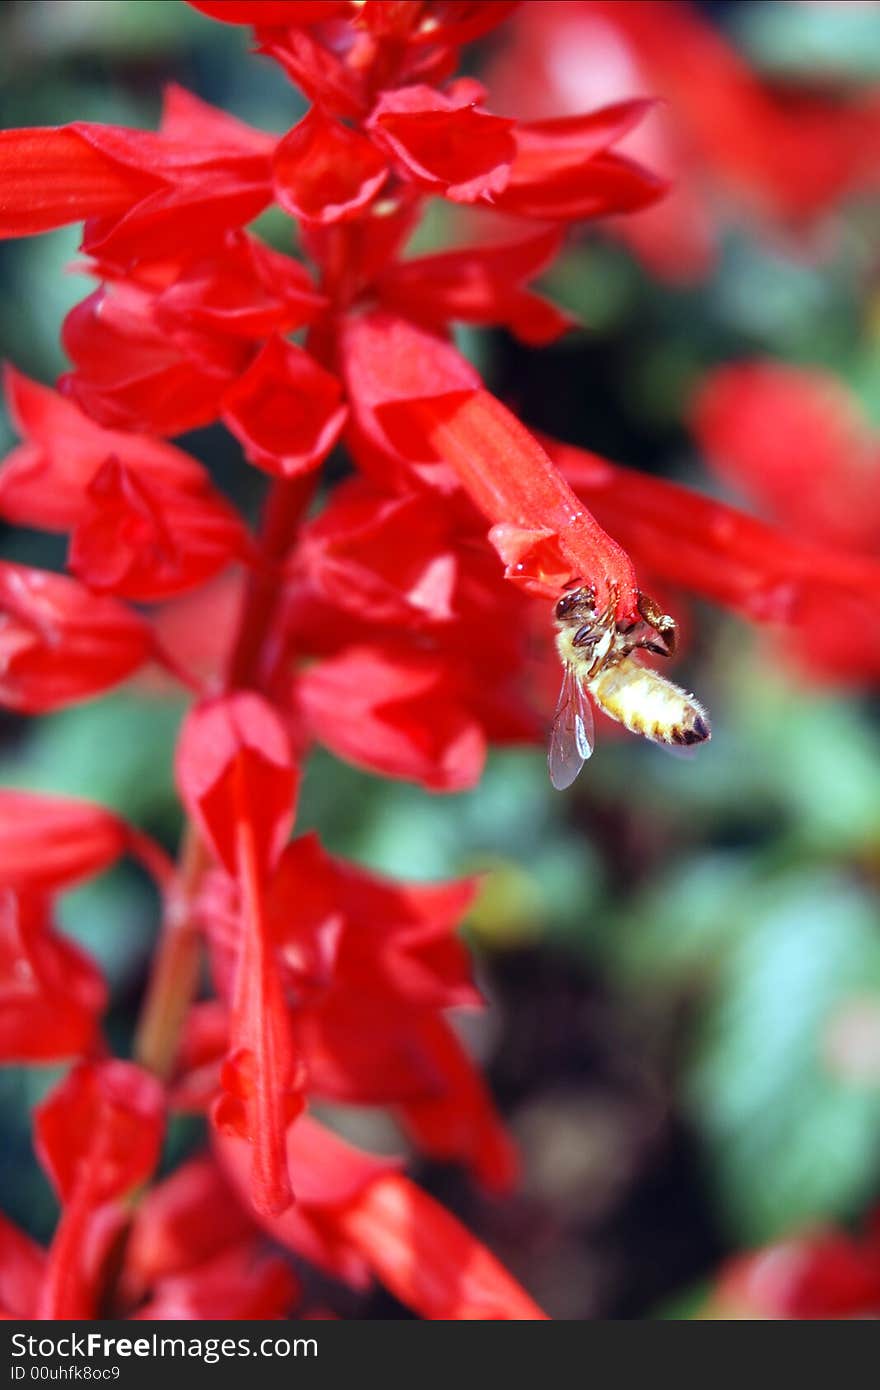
[(564, 605)]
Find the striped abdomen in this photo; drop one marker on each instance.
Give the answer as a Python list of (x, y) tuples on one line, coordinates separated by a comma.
[(648, 704)]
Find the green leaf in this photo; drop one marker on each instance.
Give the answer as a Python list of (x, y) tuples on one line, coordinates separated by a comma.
[(791, 1136), (116, 751)]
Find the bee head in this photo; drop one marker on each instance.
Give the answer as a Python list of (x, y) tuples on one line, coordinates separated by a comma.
[(576, 604)]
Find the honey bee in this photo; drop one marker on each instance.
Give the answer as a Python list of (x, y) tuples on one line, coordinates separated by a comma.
[(598, 661)]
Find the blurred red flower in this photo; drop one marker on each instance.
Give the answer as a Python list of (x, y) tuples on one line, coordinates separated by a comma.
[(733, 144)]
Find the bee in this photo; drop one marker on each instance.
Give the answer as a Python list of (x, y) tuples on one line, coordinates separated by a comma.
[(598, 661)]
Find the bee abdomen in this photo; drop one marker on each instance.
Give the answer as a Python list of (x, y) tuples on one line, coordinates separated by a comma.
[(648, 704)]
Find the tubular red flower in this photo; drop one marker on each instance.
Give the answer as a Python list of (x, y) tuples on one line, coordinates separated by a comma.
[(53, 994), (136, 187), (795, 442), (565, 170), (59, 643), (356, 1214), (44, 481), (52, 176), (428, 1259), (98, 1135), (821, 594), (286, 410), (426, 399), (49, 842), (237, 779), (100, 1129), (325, 172), (234, 766)]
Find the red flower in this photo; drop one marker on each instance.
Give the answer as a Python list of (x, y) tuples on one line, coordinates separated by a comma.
[(53, 995), (482, 285), (46, 480), (356, 1215), (144, 542), (795, 442), (384, 627), (821, 594), (242, 289), (98, 1136), (286, 410), (203, 174), (47, 842), (729, 142), (823, 1274), (425, 402), (237, 779), (326, 172), (60, 643), (395, 712), (444, 143), (132, 373)]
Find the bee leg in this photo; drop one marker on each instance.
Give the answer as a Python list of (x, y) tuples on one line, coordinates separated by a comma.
[(662, 623)]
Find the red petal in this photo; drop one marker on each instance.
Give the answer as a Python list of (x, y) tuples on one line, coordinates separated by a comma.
[(391, 559), (243, 1283), (52, 176), (271, 12), (544, 148), (458, 1121), (286, 410), (22, 1264), (444, 144), (60, 643), (328, 1174), (324, 171), (234, 765), (602, 186), (147, 543), (247, 290), (196, 123), (44, 482), (319, 72), (187, 1218), (131, 373), (48, 842), (479, 285), (395, 713), (428, 1260), (53, 995), (100, 1129)]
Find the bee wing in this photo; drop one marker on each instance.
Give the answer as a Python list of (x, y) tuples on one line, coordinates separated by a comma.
[(573, 735)]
